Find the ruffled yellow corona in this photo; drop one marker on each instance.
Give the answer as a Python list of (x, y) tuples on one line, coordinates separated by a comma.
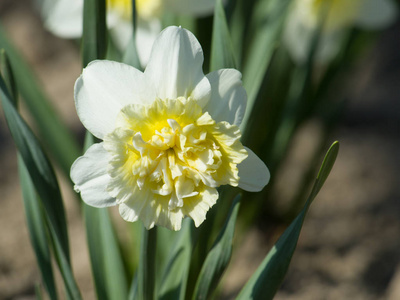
[(175, 152)]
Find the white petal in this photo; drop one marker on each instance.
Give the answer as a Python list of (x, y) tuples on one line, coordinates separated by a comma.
[(191, 7), (89, 173), (103, 89), (254, 174), (63, 17), (202, 92), (228, 97), (377, 14), (175, 65)]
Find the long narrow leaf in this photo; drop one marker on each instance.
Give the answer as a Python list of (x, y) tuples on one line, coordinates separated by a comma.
[(222, 53), (37, 229), (8, 76), (39, 167), (107, 265), (94, 38), (133, 290), (267, 23), (176, 273), (264, 283), (38, 292), (147, 268), (56, 135), (96, 253), (300, 103), (40, 221), (218, 258), (44, 180), (64, 265)]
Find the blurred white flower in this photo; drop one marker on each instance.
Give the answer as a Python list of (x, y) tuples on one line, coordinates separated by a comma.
[(170, 135), (304, 16), (64, 19)]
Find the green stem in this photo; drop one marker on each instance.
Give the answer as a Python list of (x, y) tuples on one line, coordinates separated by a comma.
[(146, 273)]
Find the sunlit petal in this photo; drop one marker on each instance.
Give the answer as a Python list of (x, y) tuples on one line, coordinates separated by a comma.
[(89, 173)]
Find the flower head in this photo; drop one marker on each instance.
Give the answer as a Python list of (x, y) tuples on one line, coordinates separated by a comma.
[(339, 15), (170, 135)]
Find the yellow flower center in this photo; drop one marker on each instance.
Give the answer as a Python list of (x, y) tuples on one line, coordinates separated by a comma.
[(174, 153), (341, 13), (146, 9)]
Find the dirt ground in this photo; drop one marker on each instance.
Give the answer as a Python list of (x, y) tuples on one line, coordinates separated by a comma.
[(349, 246)]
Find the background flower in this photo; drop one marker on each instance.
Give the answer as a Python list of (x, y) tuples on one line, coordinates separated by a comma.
[(64, 18), (304, 19), (171, 135)]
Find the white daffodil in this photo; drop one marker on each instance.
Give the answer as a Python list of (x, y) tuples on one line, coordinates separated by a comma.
[(170, 135), (64, 19), (340, 15)]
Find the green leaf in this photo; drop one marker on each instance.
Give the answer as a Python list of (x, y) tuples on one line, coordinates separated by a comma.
[(176, 273), (96, 253), (147, 265), (324, 171), (37, 229), (107, 265), (55, 134), (38, 292), (94, 37), (165, 240), (264, 283), (218, 258), (265, 28), (8, 75), (300, 102), (64, 265), (44, 180), (39, 167), (222, 52), (105, 255), (39, 221), (133, 290)]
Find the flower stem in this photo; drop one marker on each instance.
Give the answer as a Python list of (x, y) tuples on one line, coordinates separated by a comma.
[(146, 272)]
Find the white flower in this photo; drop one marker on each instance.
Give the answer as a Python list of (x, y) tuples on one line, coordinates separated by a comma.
[(64, 19), (304, 16), (170, 135)]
